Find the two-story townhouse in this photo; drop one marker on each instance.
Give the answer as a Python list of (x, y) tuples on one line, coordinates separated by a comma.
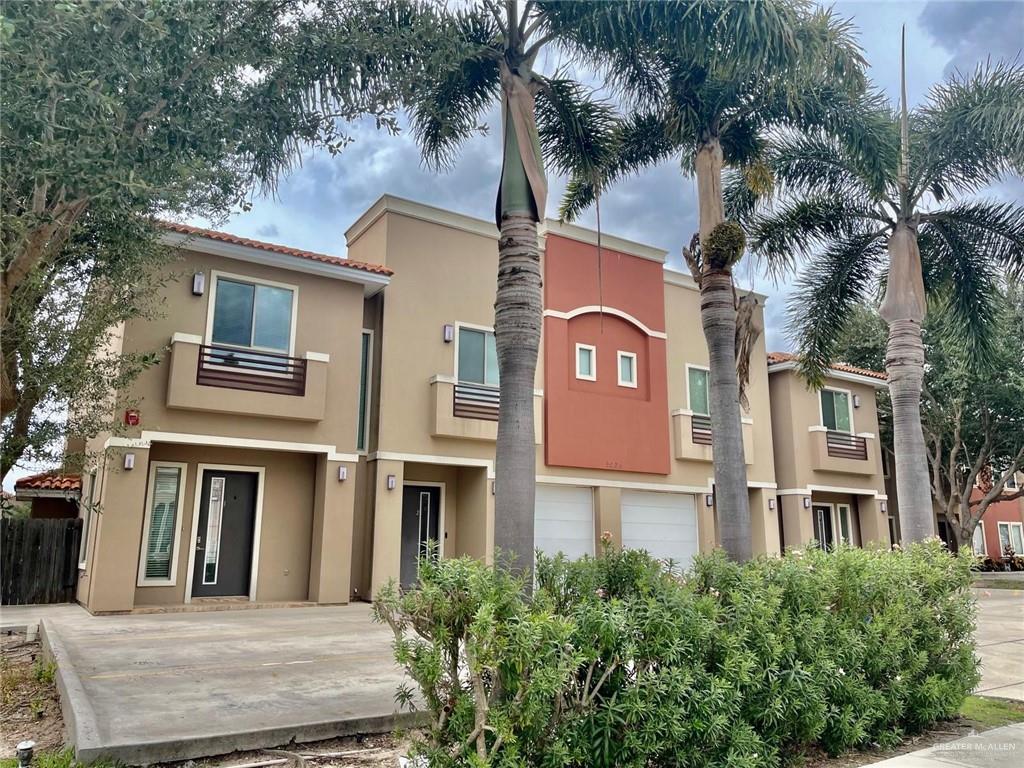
[(623, 438), (828, 459), (237, 471)]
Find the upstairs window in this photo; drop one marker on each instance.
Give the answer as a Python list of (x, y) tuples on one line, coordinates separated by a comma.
[(835, 410), (978, 540), (627, 369), (697, 389), (253, 315), (478, 357), (586, 362)]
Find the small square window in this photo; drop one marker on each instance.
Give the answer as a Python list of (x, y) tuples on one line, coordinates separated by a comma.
[(627, 369), (586, 362)]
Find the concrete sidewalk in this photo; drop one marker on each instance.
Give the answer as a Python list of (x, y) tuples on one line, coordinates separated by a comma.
[(1000, 639), (17, 618), (998, 748), (152, 688)]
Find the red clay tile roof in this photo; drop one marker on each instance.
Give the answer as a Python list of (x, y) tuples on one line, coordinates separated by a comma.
[(224, 237), (49, 481), (785, 357)]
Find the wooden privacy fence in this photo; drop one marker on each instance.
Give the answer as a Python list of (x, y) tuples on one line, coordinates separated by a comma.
[(38, 560)]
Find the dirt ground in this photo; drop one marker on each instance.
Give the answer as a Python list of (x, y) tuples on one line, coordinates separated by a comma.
[(379, 751), (29, 707)]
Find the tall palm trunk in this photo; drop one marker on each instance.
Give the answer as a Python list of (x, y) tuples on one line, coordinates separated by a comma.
[(903, 309), (718, 317)]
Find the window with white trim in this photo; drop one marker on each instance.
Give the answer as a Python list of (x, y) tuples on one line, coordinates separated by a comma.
[(697, 390), (586, 362), (478, 357), (978, 540), (252, 315), (162, 523), (1011, 483), (366, 351), (87, 508), (836, 414), (627, 369), (1011, 535)]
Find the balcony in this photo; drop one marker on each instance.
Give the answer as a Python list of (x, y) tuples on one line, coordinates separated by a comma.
[(843, 452), (691, 437), (469, 411), (243, 382)]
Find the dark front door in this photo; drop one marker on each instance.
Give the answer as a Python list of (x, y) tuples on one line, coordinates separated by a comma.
[(227, 522), (823, 533), (421, 512)]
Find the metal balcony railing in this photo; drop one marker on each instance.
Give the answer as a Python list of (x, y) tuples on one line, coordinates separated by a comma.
[(700, 429), (251, 370), (843, 445), (476, 401)]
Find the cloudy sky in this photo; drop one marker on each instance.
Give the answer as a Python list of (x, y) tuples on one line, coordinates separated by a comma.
[(314, 206)]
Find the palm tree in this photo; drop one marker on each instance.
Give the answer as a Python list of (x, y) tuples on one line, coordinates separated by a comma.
[(481, 55), (908, 226), (710, 80)]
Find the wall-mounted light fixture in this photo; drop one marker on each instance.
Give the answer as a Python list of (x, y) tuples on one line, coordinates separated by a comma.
[(807, 502), (129, 461), (449, 333), (884, 507), (343, 472), (856, 401), (709, 500), (392, 482), (198, 284), (771, 503)]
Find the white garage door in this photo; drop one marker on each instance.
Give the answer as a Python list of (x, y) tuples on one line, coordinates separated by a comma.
[(665, 524), (565, 520)]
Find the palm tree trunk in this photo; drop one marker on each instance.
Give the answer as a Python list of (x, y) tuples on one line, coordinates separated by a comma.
[(518, 310), (718, 317), (903, 309)]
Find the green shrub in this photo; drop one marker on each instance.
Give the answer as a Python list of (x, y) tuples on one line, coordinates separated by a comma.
[(618, 660)]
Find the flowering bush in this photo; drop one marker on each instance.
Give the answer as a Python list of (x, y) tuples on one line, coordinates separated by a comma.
[(619, 660)]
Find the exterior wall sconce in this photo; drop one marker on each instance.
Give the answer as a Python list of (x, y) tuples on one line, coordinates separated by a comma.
[(856, 401), (342, 473), (449, 333), (493, 486), (807, 502), (129, 461), (709, 500), (884, 507), (391, 482), (771, 503), (198, 284)]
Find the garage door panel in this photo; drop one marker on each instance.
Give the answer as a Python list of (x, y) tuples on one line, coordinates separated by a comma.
[(564, 520), (663, 524)]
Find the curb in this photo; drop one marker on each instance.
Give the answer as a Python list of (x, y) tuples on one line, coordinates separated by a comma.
[(80, 727)]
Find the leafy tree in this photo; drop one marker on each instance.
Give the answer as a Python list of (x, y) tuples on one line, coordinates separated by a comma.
[(972, 414), (907, 222), (126, 109), (484, 54), (710, 81)]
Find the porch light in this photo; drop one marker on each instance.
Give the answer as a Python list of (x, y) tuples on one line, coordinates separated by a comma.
[(771, 503), (807, 502), (129, 461), (198, 284), (342, 473), (709, 500), (884, 507), (493, 486), (856, 401), (391, 482), (449, 333)]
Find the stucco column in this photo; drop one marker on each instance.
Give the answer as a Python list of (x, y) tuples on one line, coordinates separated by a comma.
[(796, 521), (387, 525), (874, 523), (474, 530), (330, 571), (607, 515), (114, 568), (764, 523)]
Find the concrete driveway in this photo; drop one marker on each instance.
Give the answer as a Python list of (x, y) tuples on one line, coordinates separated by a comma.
[(1001, 642), (148, 688)]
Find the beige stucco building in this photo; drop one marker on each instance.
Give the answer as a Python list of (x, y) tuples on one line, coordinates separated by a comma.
[(315, 420)]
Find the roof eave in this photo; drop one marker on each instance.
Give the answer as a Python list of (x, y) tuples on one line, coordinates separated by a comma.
[(857, 378)]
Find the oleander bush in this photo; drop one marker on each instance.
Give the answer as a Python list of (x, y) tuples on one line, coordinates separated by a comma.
[(622, 660)]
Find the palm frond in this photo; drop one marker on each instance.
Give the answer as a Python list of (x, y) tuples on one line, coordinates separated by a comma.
[(636, 142), (576, 131), (972, 129), (994, 229), (839, 278), (445, 111)]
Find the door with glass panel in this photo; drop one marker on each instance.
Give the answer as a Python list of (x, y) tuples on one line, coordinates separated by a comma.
[(224, 534), (421, 524), (824, 532)]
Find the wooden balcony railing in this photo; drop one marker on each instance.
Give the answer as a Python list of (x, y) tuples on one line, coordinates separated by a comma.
[(843, 445), (700, 430), (476, 401), (251, 370)]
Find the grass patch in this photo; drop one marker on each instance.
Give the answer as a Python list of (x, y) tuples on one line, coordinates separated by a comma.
[(61, 758), (992, 713)]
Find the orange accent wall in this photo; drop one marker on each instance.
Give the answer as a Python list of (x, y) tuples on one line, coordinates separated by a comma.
[(998, 512), (600, 424)]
